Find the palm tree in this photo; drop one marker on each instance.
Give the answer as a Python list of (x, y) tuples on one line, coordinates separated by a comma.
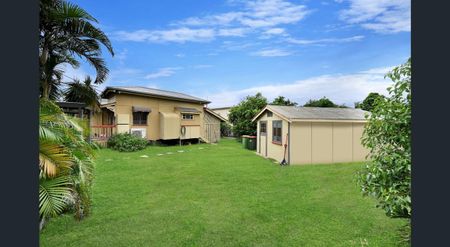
[(84, 92), (65, 164), (66, 31)]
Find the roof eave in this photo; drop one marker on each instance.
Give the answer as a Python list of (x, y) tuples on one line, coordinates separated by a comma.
[(117, 90)]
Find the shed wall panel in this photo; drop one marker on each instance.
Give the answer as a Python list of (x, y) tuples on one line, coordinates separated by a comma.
[(322, 142), (300, 143), (342, 142)]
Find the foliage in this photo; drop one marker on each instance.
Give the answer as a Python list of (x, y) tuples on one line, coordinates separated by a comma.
[(388, 137), (322, 102), (187, 198), (66, 32), (65, 164), (126, 142), (84, 92), (225, 129), (369, 102), (280, 100), (242, 114)]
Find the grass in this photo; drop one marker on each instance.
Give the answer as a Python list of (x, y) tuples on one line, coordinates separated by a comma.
[(222, 195)]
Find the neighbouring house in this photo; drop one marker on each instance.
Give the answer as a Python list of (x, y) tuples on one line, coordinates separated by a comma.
[(224, 112), (153, 114), (75, 109), (313, 134)]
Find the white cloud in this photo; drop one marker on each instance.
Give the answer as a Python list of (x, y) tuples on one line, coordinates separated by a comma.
[(179, 35), (226, 32), (162, 72), (323, 41), (180, 55), (341, 89), (255, 16), (271, 53), (383, 16)]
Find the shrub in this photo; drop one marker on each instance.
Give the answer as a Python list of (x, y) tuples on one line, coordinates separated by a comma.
[(126, 142)]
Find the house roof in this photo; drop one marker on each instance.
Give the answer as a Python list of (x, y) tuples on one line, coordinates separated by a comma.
[(296, 113), (221, 108), (157, 93), (210, 111)]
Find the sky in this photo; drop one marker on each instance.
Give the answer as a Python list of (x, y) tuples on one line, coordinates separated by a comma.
[(224, 50)]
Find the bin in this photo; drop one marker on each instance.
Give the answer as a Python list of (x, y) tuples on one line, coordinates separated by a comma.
[(251, 142), (244, 141)]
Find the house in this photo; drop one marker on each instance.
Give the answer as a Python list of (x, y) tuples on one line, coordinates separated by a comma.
[(313, 134), (153, 114), (74, 109), (224, 112)]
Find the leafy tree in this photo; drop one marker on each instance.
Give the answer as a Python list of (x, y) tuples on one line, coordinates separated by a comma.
[(84, 92), (387, 135), (65, 164), (369, 102), (322, 102), (241, 115), (225, 129), (280, 100), (66, 31)]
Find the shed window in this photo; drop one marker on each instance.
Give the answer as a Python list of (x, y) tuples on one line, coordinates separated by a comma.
[(188, 116), (269, 114), (263, 128), (276, 131), (140, 118)]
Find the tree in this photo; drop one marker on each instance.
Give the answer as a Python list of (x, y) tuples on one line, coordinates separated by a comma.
[(84, 92), (280, 100), (242, 114), (66, 31), (65, 164), (369, 102), (322, 102), (387, 135)]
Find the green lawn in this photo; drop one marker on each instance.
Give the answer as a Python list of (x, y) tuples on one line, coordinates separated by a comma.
[(222, 195)]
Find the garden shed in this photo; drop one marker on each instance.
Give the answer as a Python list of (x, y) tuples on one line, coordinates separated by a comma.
[(313, 134)]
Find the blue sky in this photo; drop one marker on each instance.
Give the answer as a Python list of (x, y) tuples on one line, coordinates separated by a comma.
[(225, 50)]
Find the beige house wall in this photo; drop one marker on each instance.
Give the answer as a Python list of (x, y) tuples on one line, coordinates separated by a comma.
[(125, 102), (314, 142)]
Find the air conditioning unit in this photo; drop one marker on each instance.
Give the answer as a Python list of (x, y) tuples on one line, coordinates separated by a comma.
[(140, 132)]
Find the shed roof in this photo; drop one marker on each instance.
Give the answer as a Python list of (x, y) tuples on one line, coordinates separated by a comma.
[(296, 113), (153, 92)]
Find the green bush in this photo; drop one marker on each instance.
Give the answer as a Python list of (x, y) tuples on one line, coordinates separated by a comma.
[(126, 142)]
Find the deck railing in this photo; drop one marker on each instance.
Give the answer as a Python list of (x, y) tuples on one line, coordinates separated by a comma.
[(102, 132)]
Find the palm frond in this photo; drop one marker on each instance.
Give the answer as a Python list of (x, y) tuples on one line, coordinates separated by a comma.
[(53, 158), (53, 195)]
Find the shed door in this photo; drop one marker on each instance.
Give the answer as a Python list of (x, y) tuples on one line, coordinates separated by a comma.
[(262, 142)]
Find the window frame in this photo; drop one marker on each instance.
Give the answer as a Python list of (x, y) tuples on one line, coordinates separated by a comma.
[(142, 120), (274, 130), (261, 132)]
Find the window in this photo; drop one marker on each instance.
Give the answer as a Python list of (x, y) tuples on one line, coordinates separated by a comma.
[(263, 128), (269, 114), (140, 118), (276, 131), (188, 116)]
